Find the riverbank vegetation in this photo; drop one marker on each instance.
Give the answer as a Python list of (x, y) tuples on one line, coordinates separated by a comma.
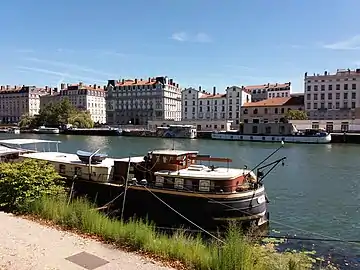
[(36, 190), (58, 114)]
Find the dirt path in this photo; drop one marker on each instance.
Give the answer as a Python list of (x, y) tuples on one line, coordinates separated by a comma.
[(26, 245)]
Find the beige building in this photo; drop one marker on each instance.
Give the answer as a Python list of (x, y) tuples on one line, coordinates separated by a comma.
[(271, 110), (269, 90), (204, 106), (139, 101), (17, 101), (333, 96), (85, 97)]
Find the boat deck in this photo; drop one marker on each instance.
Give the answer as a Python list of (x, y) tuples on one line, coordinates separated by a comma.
[(202, 172)]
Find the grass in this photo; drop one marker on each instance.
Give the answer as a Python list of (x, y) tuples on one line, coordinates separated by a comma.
[(193, 252)]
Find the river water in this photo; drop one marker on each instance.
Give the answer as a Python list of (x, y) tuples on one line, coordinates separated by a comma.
[(316, 194)]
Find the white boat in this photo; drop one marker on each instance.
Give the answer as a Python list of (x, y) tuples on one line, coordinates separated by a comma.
[(285, 132), (46, 130)]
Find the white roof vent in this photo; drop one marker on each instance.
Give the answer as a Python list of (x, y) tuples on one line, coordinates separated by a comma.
[(196, 167)]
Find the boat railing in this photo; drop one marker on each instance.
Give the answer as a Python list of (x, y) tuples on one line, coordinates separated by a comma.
[(37, 145)]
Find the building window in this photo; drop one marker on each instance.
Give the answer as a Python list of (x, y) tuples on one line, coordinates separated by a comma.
[(255, 111), (337, 95), (308, 96), (322, 87), (338, 87), (345, 86), (329, 95), (330, 86), (329, 105), (353, 95), (353, 86), (322, 96), (309, 87), (254, 129), (276, 110), (353, 105), (315, 96), (265, 110), (316, 87)]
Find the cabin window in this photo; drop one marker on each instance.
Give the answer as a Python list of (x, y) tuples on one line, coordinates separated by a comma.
[(78, 171), (189, 184), (204, 185), (62, 169), (159, 181), (179, 183)]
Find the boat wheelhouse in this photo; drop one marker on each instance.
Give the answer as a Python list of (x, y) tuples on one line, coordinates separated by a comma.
[(154, 185)]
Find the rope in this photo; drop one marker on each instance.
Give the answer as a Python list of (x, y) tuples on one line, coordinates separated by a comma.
[(107, 204), (193, 223)]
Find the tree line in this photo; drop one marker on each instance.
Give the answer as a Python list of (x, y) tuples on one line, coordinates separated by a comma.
[(58, 114)]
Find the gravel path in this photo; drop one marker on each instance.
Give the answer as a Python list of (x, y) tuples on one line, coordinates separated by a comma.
[(26, 245)]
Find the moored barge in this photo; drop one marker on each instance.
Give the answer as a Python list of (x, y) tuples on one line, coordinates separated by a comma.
[(169, 187)]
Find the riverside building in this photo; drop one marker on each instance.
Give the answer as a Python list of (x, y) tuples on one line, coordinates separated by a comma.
[(268, 90), (201, 105), (84, 97), (333, 96), (16, 101), (138, 101)]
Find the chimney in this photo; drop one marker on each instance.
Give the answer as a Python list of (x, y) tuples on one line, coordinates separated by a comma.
[(62, 86), (289, 83), (204, 91), (2, 87), (214, 90), (275, 84), (171, 82), (122, 81), (325, 73), (98, 87), (46, 88), (268, 85), (80, 83), (135, 81), (177, 85), (149, 80), (199, 88), (7, 87), (94, 86)]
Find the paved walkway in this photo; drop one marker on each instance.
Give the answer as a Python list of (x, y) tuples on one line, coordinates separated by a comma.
[(26, 245)]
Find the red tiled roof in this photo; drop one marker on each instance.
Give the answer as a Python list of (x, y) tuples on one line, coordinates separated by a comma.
[(268, 102)]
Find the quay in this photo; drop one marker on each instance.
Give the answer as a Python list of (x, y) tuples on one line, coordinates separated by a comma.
[(92, 131), (23, 247)]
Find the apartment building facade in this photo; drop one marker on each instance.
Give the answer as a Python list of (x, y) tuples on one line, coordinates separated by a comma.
[(271, 110), (141, 100), (333, 96), (16, 101), (201, 105), (266, 91), (84, 97)]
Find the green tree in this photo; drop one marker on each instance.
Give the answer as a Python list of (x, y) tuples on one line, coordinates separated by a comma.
[(296, 115), (26, 121), (61, 113), (23, 182)]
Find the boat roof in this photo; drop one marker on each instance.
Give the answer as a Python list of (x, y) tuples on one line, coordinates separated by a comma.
[(8, 151), (66, 158), (172, 152), (25, 141), (204, 172)]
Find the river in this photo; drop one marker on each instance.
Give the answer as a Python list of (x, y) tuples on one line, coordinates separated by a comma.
[(316, 194)]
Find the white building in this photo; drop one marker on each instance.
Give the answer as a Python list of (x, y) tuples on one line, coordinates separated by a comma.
[(266, 91), (201, 105), (90, 98), (19, 100), (139, 101), (332, 96)]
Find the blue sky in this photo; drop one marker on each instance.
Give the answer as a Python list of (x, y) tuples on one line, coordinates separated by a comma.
[(197, 42)]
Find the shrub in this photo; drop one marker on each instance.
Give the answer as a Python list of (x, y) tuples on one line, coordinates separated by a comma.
[(23, 182)]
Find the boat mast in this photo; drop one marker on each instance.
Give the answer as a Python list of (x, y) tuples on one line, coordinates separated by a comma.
[(126, 186)]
